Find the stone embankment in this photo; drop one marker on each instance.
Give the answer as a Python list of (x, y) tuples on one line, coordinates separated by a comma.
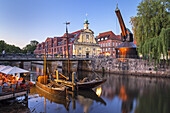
[(138, 67)]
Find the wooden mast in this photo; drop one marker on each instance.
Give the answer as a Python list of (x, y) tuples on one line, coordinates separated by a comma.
[(45, 67), (67, 23)]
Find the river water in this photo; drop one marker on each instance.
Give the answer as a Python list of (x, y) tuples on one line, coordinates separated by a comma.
[(119, 94)]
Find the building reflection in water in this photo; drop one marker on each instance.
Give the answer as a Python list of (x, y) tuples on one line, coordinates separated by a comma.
[(136, 94)]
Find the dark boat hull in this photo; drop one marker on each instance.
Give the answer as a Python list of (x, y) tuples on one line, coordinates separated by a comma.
[(90, 85), (61, 91)]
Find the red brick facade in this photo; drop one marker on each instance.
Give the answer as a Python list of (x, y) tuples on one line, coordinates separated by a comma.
[(57, 45), (108, 41)]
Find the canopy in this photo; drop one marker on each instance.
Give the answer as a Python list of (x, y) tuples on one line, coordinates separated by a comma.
[(13, 70), (4, 68)]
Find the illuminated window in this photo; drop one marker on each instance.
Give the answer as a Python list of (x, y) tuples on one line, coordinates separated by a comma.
[(99, 39), (106, 49)]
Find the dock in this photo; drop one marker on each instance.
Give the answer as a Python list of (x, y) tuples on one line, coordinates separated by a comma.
[(9, 94)]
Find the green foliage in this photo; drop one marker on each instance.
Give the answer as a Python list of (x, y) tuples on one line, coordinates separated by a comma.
[(30, 47), (9, 48), (151, 28)]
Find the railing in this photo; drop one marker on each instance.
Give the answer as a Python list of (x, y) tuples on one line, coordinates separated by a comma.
[(18, 55), (12, 89)]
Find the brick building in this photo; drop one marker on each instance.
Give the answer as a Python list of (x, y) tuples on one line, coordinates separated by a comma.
[(108, 41), (81, 43)]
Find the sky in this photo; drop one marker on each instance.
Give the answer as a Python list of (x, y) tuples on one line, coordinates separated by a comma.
[(24, 20)]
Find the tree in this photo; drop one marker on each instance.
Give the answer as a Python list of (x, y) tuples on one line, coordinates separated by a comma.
[(9, 48), (151, 28), (30, 47)]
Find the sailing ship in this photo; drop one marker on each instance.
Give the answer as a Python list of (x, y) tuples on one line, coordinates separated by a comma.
[(51, 88)]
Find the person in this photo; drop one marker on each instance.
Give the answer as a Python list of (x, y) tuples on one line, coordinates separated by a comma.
[(3, 53)]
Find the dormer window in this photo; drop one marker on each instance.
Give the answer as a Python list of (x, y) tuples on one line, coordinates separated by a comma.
[(106, 38), (99, 39), (102, 39)]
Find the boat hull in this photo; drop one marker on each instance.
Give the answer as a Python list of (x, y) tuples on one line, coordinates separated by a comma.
[(90, 85), (61, 91)]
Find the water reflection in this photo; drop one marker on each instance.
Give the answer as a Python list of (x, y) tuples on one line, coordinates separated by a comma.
[(119, 94)]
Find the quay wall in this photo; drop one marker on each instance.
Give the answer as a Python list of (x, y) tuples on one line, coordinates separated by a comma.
[(138, 67)]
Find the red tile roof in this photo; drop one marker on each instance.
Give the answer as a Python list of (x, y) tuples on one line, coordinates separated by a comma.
[(110, 35)]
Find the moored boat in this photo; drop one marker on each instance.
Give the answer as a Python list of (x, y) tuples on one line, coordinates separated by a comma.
[(52, 89), (90, 84)]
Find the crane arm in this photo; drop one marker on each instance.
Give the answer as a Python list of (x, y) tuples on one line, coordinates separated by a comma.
[(121, 22)]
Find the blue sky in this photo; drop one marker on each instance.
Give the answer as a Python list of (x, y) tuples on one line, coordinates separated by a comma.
[(24, 20)]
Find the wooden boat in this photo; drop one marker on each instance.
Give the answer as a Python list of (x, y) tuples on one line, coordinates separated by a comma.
[(90, 84), (81, 84), (52, 89)]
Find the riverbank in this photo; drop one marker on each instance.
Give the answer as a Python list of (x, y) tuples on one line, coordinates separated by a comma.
[(135, 67)]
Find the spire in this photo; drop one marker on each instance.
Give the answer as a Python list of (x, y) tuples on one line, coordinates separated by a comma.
[(86, 23)]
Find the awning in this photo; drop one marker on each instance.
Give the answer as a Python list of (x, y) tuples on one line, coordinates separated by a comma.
[(13, 70), (4, 68)]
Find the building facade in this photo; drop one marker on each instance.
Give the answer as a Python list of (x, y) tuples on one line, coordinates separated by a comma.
[(108, 41), (80, 43)]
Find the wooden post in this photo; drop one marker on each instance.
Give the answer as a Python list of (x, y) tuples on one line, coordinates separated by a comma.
[(57, 74), (73, 80)]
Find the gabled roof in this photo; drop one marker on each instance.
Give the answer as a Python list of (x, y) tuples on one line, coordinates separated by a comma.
[(109, 35)]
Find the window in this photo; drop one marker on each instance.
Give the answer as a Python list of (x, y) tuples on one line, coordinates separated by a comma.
[(106, 38), (113, 49), (102, 39), (113, 43), (106, 44), (106, 49), (87, 37), (69, 48), (64, 41), (109, 49), (99, 39), (103, 44), (109, 43), (93, 49), (60, 48), (65, 48), (54, 49), (103, 49), (116, 44)]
